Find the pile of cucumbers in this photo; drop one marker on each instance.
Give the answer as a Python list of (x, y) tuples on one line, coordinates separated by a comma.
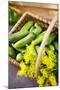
[(30, 31), (20, 39)]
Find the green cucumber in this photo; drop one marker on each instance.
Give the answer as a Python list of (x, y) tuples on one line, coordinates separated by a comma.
[(19, 57), (40, 37), (47, 48), (11, 52), (51, 38), (26, 40), (20, 34)]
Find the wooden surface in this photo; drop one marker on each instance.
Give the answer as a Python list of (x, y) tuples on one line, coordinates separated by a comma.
[(19, 81), (44, 10)]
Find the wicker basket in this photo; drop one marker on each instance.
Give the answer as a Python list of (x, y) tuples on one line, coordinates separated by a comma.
[(29, 16)]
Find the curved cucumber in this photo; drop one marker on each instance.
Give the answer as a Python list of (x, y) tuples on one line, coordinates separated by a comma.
[(41, 36), (26, 40), (20, 34)]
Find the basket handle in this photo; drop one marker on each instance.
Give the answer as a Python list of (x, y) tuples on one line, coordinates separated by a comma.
[(43, 45)]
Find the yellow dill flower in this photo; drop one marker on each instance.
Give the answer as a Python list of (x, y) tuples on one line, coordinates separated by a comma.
[(30, 54), (52, 79), (21, 73), (44, 72), (31, 71), (48, 61), (40, 80), (52, 54), (22, 65), (23, 69)]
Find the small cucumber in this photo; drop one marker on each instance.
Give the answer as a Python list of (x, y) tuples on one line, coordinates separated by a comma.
[(11, 52), (19, 57)]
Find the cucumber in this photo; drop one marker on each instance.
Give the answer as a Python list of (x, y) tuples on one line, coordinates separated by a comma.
[(51, 38), (19, 57), (21, 33), (37, 48), (40, 37), (11, 52), (26, 40), (47, 48)]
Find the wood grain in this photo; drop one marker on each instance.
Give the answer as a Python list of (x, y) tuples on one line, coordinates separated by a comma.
[(44, 10)]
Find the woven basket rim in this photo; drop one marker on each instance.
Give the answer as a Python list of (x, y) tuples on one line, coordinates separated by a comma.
[(41, 19)]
